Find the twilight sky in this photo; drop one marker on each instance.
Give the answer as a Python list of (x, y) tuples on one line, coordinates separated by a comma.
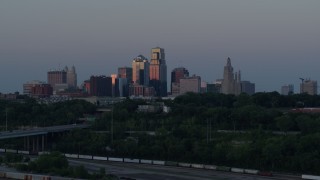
[(273, 42)]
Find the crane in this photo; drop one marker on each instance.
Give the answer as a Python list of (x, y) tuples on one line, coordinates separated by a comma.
[(301, 80)]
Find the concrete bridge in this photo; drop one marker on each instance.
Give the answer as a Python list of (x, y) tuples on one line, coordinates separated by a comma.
[(35, 139)]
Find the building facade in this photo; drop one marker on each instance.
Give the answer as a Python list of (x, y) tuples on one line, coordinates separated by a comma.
[(57, 77), (287, 89), (100, 86), (125, 72), (140, 71), (176, 75), (231, 82), (310, 87), (136, 90), (190, 84), (248, 87), (27, 87), (158, 71), (41, 90), (71, 77)]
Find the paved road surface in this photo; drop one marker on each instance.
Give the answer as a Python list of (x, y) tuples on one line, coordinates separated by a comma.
[(147, 172)]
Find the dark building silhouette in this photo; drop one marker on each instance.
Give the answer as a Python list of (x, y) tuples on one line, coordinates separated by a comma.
[(100, 86)]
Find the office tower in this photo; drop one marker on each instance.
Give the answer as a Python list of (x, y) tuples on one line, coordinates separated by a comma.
[(190, 84), (57, 79), (125, 72), (140, 71), (231, 81), (248, 87), (176, 75), (100, 86), (27, 87), (309, 87), (158, 71), (71, 77), (287, 89)]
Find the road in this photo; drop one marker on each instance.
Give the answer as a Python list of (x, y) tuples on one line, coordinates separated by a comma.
[(147, 172)]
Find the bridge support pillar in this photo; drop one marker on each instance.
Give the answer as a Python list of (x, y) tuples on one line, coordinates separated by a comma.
[(42, 137)]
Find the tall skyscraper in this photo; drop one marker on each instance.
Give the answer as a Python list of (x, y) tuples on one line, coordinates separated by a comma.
[(176, 75), (309, 87), (71, 77), (231, 82), (125, 72), (158, 71), (140, 71)]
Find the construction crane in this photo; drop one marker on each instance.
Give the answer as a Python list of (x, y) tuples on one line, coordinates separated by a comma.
[(301, 80)]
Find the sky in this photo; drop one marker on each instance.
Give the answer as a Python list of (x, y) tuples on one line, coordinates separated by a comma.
[(272, 42)]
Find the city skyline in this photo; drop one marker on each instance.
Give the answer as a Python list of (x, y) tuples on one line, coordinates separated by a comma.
[(272, 43)]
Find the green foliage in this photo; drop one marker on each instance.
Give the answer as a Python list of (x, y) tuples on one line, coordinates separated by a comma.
[(30, 113), (189, 132), (52, 162), (13, 158)]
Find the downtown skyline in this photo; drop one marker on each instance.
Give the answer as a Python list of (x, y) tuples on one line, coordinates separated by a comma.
[(272, 43)]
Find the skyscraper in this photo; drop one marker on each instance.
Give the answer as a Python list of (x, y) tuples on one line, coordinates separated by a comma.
[(71, 77), (140, 71), (231, 82), (158, 71), (125, 72)]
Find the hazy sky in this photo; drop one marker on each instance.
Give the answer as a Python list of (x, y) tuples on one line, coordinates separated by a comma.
[(273, 42)]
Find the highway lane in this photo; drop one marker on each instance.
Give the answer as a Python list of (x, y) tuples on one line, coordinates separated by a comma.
[(154, 172)]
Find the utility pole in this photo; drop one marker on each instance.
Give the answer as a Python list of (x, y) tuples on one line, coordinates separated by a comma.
[(112, 123), (207, 131), (6, 119)]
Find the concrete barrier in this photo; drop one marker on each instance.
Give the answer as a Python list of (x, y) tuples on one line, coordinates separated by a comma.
[(198, 166), (114, 159), (237, 170), (131, 160), (305, 176), (211, 167), (100, 158), (85, 156), (155, 162), (145, 161), (184, 164)]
